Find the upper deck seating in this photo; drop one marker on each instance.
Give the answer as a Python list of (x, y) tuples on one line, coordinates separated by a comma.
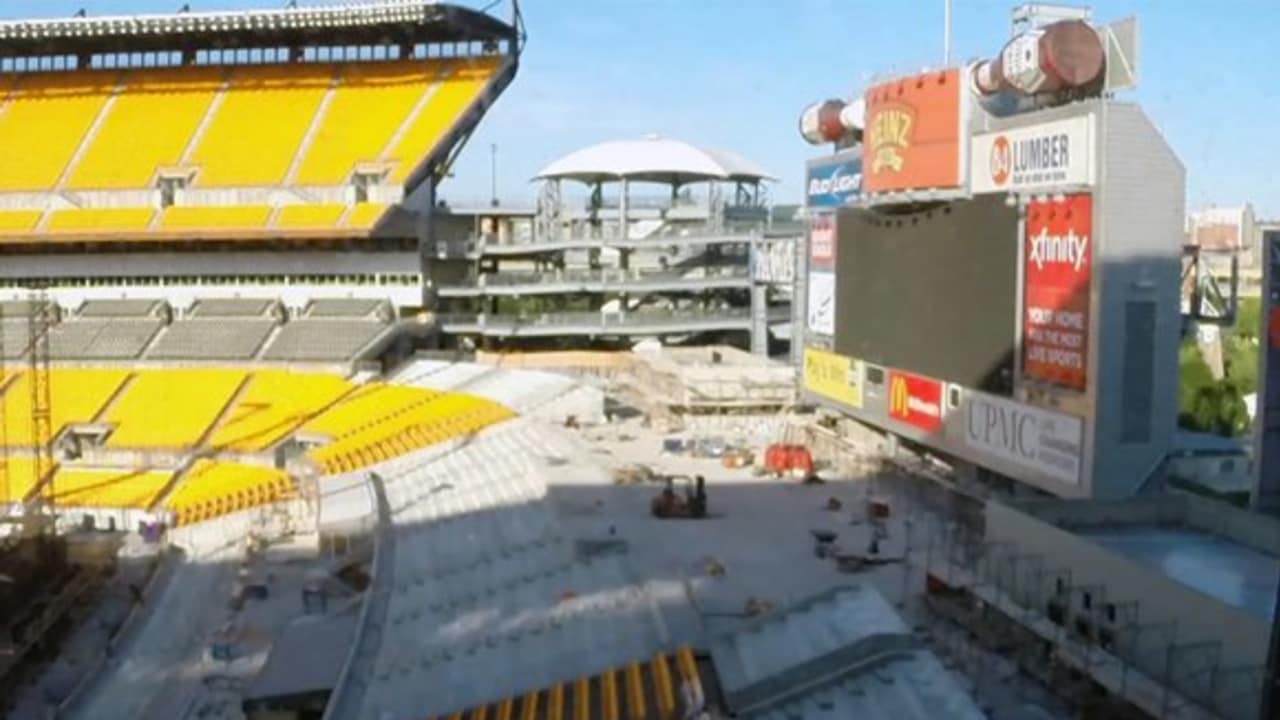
[(123, 130), (43, 122), (149, 127), (261, 124)]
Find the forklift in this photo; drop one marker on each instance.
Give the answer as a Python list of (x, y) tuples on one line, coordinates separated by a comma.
[(692, 504)]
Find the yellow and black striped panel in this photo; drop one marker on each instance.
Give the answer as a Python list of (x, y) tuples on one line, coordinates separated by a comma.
[(644, 690)]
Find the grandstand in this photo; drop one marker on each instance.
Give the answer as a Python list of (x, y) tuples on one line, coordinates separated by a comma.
[(222, 418), (142, 151), (332, 333)]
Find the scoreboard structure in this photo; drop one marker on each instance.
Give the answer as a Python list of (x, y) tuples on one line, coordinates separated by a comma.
[(1000, 285)]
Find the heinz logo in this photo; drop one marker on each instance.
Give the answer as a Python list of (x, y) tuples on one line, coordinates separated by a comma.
[(1071, 249), (889, 137)]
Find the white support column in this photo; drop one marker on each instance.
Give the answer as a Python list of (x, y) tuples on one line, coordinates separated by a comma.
[(622, 210)]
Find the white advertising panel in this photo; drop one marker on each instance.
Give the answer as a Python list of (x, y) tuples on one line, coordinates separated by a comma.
[(1047, 442), (1038, 157), (822, 303)]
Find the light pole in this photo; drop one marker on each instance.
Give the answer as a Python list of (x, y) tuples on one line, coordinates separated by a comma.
[(946, 33), (493, 174)]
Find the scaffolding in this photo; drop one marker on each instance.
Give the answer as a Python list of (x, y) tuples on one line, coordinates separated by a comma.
[(992, 607), (39, 320), (1132, 668), (4, 425)]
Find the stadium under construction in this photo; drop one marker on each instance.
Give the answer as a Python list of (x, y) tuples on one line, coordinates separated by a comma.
[(283, 435)]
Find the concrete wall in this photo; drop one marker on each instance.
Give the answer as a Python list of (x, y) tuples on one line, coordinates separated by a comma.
[(1138, 223), (1199, 618)]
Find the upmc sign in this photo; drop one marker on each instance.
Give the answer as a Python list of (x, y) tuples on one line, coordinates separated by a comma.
[(1038, 157), (1059, 269), (834, 181), (915, 400), (1045, 442)]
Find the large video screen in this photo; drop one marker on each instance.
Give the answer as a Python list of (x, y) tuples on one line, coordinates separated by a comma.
[(932, 292)]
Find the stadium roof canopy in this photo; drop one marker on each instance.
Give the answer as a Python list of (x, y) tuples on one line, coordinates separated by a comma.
[(397, 22), (652, 159)]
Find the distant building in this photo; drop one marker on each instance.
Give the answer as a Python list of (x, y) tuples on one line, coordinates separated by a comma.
[(633, 239), (1224, 233)]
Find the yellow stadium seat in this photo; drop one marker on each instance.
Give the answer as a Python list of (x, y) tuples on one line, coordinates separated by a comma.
[(224, 217), (76, 395), (273, 405), (609, 703), (89, 219), (189, 400), (309, 217), (19, 478), (453, 96), (211, 488), (261, 123), (365, 215), (367, 109), (149, 127), (90, 487), (380, 421), (43, 123), (19, 221), (664, 688)]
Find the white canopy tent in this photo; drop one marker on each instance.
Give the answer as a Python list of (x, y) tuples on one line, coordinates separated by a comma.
[(653, 159)]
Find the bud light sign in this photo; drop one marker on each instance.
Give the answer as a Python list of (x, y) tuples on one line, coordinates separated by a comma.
[(834, 181)]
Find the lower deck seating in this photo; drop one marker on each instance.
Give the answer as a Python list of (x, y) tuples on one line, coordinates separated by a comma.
[(171, 408), (214, 488), (112, 488), (398, 423), (77, 395), (274, 404), (639, 691), (17, 478)]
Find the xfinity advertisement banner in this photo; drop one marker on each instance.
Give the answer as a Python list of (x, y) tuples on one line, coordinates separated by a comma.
[(1039, 157), (834, 181), (1059, 269), (1038, 440)]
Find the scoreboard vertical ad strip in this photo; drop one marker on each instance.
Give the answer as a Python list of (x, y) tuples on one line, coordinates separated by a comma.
[(1058, 277)]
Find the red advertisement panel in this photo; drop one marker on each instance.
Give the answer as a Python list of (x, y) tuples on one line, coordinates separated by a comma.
[(913, 132), (822, 239), (915, 400), (1059, 270)]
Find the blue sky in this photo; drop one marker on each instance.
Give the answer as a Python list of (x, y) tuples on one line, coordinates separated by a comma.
[(736, 73)]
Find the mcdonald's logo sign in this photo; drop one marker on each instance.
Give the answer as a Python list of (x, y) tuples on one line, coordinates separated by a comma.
[(915, 400)]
